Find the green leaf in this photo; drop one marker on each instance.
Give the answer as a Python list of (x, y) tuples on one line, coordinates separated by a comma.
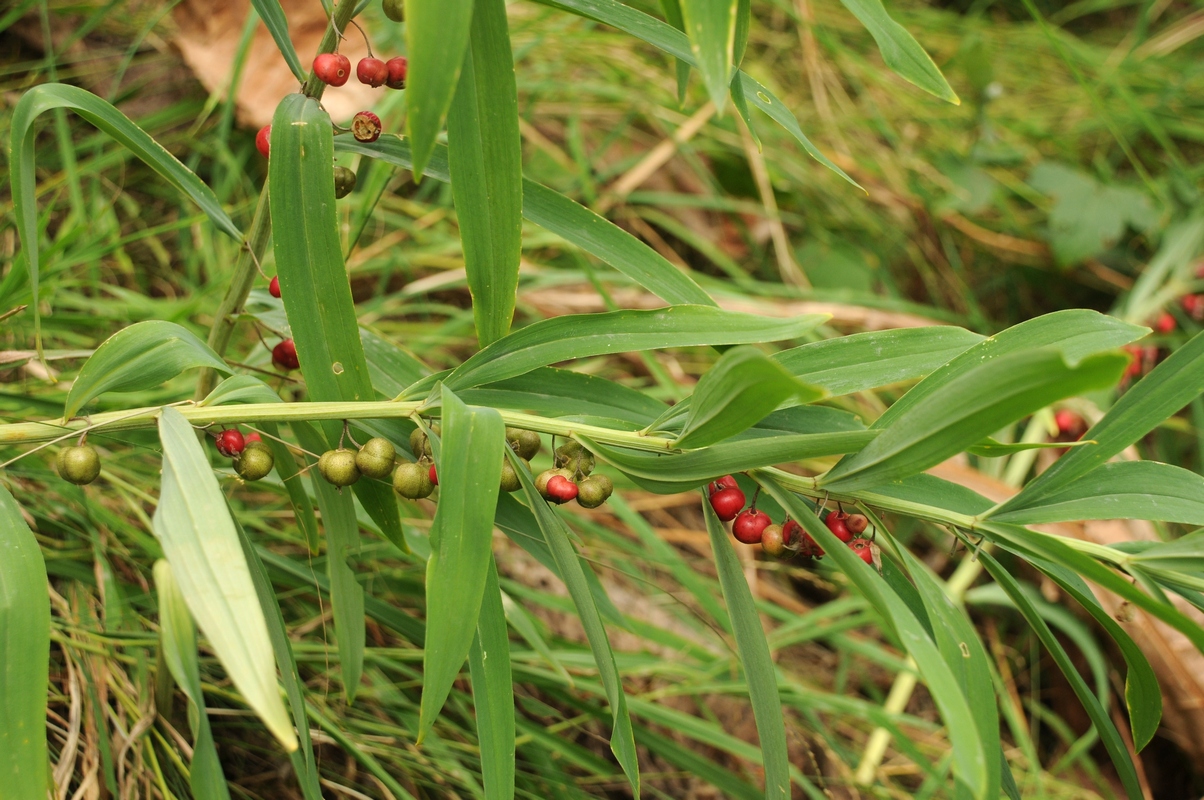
[(141, 356), (850, 364), (969, 754), (992, 448), (1169, 387), (104, 116), (485, 156), (736, 393), (470, 469), (239, 389), (1091, 704), (177, 638), (556, 536), (583, 335), (392, 368), (567, 219), (563, 393), (673, 15), (313, 277), (1121, 490), (758, 665), (681, 471), (493, 692), (24, 656), (901, 52), (277, 24), (711, 26), (970, 407), (198, 537), (437, 33)]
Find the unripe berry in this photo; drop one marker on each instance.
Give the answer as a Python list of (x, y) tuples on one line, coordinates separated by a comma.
[(365, 126), (575, 458), (255, 462), (561, 489), (394, 9), (274, 287), (525, 443), (230, 443), (412, 481), (749, 525), (344, 182), (79, 464), (857, 523), (338, 467), (263, 140), (332, 69), (284, 355), (726, 482), (372, 71), (510, 481), (397, 68), (836, 523), (727, 503), (594, 491), (773, 541), (863, 549), (375, 458)]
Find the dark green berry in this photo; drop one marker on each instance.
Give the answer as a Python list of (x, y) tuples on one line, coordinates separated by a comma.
[(412, 481), (79, 464), (255, 462), (375, 458), (525, 443), (417, 442), (338, 467), (575, 458), (594, 491), (394, 10), (344, 182), (510, 481)]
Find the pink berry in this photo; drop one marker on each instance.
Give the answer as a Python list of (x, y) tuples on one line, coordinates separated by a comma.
[(561, 489)]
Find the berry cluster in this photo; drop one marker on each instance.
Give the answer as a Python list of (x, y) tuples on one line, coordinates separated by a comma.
[(344, 466), (570, 479), (751, 526), (253, 459)]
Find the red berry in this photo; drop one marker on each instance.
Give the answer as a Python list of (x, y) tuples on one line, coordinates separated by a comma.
[(836, 523), (809, 547), (749, 524), (434, 476), (274, 287), (365, 127), (332, 68), (726, 482), (230, 443), (727, 503), (857, 523), (792, 533), (1069, 424), (372, 71), (1165, 323), (561, 489), (253, 437), (1193, 304), (396, 67), (284, 355), (863, 549), (263, 140)]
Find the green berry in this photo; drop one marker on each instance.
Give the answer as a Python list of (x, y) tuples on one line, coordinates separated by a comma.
[(525, 443), (594, 491), (394, 10), (412, 481), (541, 482), (510, 481), (417, 442), (773, 541), (375, 458), (338, 467), (344, 182), (79, 464), (255, 461), (575, 458)]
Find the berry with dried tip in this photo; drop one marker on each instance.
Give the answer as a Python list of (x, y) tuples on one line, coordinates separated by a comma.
[(397, 68), (255, 462), (809, 547), (525, 443), (727, 503), (365, 126), (749, 526), (274, 286), (726, 482), (332, 68), (230, 443), (412, 481), (510, 481), (284, 355), (792, 533), (857, 523), (375, 458), (394, 10), (263, 140), (372, 71), (344, 182), (594, 491), (79, 464), (561, 489), (433, 474), (863, 549), (773, 541), (836, 523), (541, 480), (338, 467)]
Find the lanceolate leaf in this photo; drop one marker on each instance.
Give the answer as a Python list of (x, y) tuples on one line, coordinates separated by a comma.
[(711, 26), (104, 116), (493, 692), (567, 219), (436, 39), (177, 638), (970, 407), (484, 153), (673, 16), (198, 538), (563, 393), (900, 50), (470, 468), (742, 387), (24, 656), (759, 669), (141, 356), (313, 277), (274, 20), (556, 536)]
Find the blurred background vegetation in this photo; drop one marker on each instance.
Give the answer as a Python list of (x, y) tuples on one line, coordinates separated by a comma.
[(1072, 163)]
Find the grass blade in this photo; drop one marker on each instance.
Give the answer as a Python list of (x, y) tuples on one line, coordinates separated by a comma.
[(711, 26), (436, 40), (901, 52), (493, 692), (277, 24)]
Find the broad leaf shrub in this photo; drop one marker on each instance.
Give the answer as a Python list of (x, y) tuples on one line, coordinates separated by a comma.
[(466, 437)]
